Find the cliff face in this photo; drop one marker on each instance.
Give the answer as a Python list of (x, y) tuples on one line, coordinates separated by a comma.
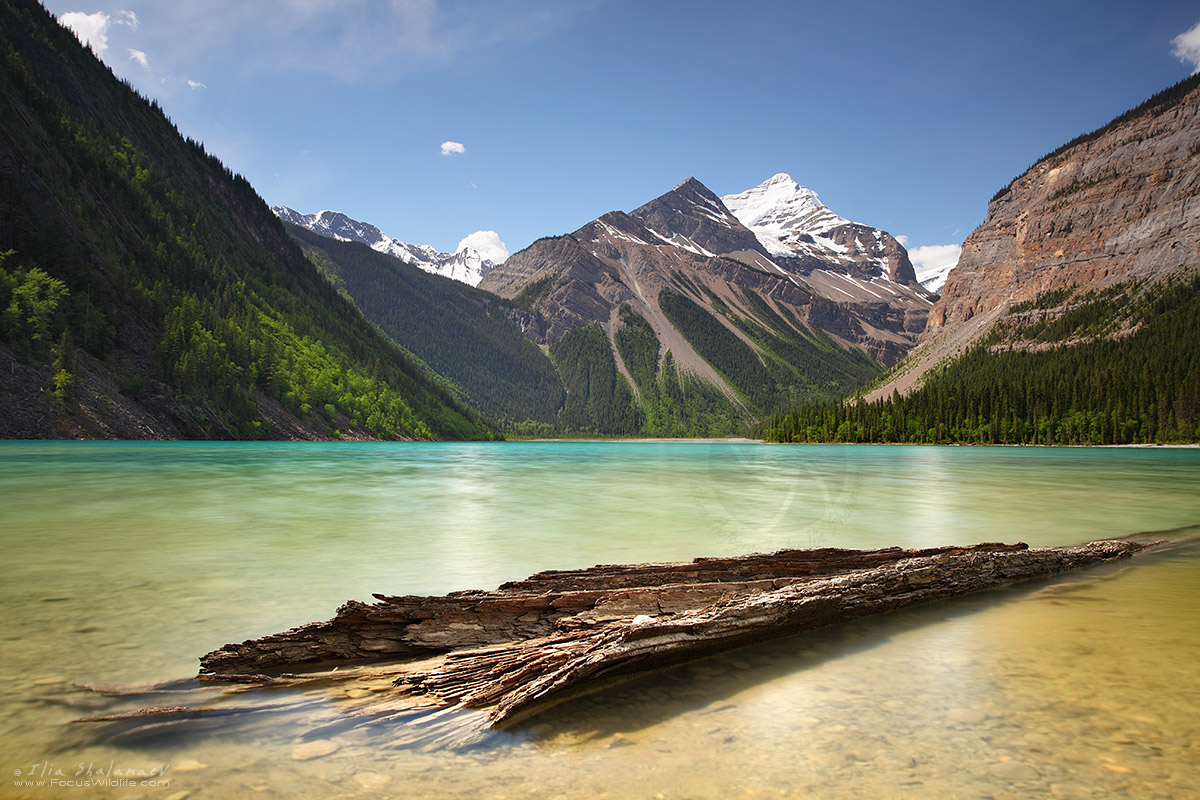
[(1118, 205), (1115, 206)]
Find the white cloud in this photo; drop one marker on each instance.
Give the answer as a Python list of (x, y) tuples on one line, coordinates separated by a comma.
[(1187, 47), (487, 244), (139, 57), (933, 262), (934, 256), (196, 85), (91, 29), (903, 240), (128, 18), (452, 148)]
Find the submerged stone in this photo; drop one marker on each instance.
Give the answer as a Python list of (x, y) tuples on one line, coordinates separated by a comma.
[(318, 748), (1015, 771)]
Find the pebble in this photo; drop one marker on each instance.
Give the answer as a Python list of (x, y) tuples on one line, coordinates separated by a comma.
[(179, 795), (187, 765), (372, 780), (1015, 771), (966, 716), (318, 748)]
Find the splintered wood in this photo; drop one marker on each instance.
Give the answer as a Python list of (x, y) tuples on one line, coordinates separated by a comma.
[(530, 644)]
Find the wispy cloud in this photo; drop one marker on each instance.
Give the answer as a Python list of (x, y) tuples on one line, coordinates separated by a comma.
[(348, 41), (1187, 47), (139, 57), (453, 148), (91, 29), (196, 85)]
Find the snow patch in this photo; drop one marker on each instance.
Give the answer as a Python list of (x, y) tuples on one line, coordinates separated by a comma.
[(475, 255), (683, 243)]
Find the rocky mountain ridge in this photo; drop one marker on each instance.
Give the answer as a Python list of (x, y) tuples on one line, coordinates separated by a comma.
[(1118, 205), (796, 227), (686, 272), (466, 264), (690, 228)]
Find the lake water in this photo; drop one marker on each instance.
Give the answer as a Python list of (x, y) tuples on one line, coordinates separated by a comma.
[(123, 563)]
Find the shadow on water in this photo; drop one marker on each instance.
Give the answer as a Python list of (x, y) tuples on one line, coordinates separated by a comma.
[(701, 687)]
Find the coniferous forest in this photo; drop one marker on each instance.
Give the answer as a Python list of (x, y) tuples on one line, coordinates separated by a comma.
[(1120, 366), (131, 250), (460, 332)]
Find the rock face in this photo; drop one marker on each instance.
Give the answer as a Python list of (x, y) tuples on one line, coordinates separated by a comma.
[(466, 264), (532, 643), (1118, 206), (693, 218), (689, 244)]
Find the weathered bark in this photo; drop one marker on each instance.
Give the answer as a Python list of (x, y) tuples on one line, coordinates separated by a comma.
[(533, 643)]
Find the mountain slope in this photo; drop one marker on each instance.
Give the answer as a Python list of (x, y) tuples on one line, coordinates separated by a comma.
[(1116, 206), (466, 264), (1073, 316), (696, 319), (152, 293), (461, 332)]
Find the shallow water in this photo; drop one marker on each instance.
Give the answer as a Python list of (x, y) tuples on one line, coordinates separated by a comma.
[(125, 562)]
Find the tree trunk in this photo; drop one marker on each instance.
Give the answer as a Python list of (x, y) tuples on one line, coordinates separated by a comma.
[(533, 643)]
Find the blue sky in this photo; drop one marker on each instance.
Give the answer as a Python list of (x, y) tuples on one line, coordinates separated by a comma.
[(905, 116)]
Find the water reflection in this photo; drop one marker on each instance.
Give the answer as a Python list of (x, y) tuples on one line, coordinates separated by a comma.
[(126, 562)]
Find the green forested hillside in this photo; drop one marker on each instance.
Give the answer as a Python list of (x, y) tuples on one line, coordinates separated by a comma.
[(140, 272), (1088, 387), (459, 331), (598, 396), (673, 404), (793, 367)]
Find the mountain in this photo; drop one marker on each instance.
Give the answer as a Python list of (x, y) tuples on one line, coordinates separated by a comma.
[(1112, 208), (466, 264), (798, 230), (462, 333), (1073, 314), (677, 319), (148, 292)]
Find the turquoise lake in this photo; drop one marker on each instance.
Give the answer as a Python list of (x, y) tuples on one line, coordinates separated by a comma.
[(125, 562)]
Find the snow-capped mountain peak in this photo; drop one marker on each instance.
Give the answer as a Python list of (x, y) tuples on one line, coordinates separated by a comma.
[(475, 255), (792, 223), (779, 211)]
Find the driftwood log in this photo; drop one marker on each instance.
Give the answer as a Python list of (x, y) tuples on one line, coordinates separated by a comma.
[(532, 643)]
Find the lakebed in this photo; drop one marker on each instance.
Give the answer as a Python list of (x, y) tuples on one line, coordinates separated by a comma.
[(125, 562)]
